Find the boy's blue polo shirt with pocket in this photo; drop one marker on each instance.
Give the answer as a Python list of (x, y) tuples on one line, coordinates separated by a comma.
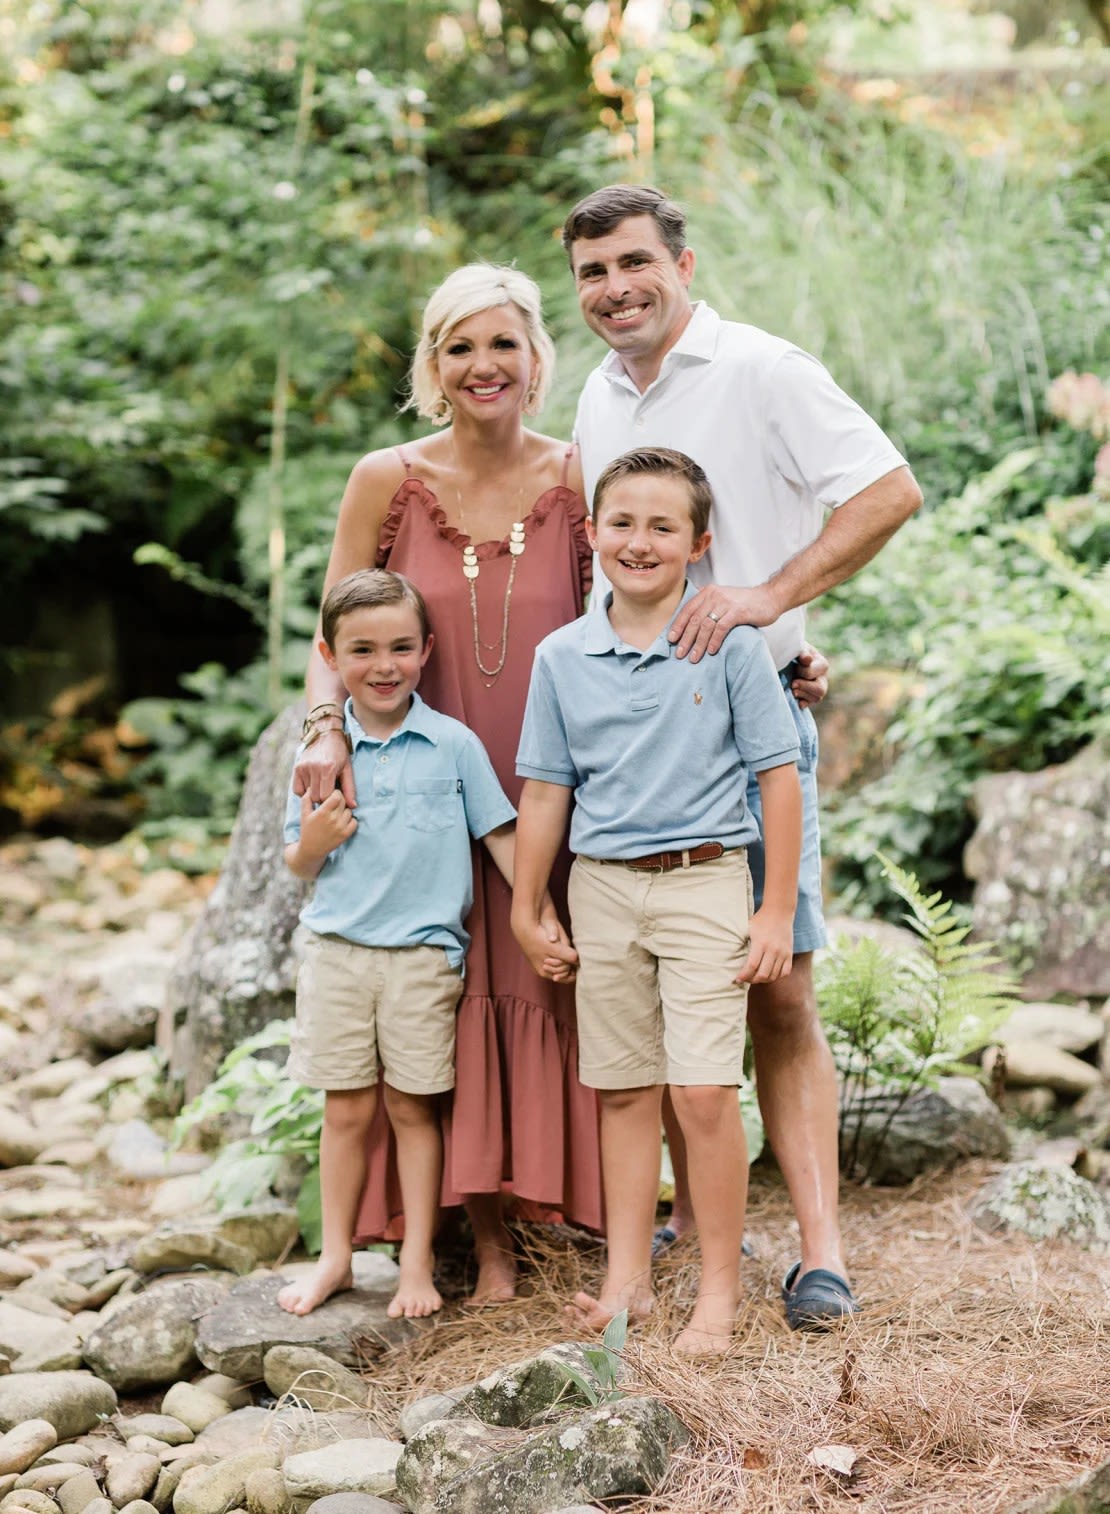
[(656, 748), (405, 877)]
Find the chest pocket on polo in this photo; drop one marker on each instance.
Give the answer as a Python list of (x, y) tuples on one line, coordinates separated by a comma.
[(431, 804)]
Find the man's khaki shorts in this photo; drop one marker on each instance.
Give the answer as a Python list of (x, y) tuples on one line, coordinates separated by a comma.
[(658, 954), (361, 1005)]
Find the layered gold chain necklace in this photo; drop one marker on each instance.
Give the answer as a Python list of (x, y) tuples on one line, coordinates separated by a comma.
[(472, 568)]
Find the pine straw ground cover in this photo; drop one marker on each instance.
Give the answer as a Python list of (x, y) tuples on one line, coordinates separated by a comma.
[(978, 1375)]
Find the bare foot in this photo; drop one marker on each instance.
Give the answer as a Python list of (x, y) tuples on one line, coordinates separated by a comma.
[(709, 1332), (417, 1296), (307, 1293), (589, 1313), (496, 1274)]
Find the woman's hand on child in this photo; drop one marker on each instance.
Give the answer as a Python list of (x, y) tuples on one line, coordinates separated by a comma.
[(324, 767), (770, 949), (326, 826)]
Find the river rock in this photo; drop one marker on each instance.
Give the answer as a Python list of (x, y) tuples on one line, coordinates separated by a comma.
[(235, 1336), (233, 1393), (38, 1344), (73, 1402), (1046, 1203), (1042, 868), (20, 1141), (519, 1393), (193, 1408), (1069, 1027), (215, 1489), (15, 1269), (78, 1493), (149, 1338), (236, 969), (187, 1244), (614, 1451), (934, 1128), (22, 1446), (49, 1475), (313, 1379), (416, 1415), (173, 1471), (346, 1466), (138, 1506), (131, 1477), (1035, 1064), (53, 1079), (29, 1500), (137, 1152), (352, 1503), (265, 1492)]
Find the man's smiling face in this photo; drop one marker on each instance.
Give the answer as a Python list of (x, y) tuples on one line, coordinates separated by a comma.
[(632, 291)]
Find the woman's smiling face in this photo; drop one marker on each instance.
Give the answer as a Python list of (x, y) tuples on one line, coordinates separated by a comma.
[(485, 363)]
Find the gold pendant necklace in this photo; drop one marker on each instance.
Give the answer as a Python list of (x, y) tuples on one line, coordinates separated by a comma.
[(472, 568)]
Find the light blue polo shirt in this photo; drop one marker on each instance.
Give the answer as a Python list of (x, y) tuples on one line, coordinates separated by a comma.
[(405, 877), (657, 749)]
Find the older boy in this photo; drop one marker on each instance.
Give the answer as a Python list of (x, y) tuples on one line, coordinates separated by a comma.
[(382, 967), (656, 750)]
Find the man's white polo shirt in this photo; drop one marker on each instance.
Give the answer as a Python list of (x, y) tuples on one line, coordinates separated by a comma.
[(779, 441)]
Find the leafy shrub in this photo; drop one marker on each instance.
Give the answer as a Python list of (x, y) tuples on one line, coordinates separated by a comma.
[(897, 1021)]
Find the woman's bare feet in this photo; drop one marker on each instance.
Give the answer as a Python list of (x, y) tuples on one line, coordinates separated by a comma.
[(709, 1331), (327, 1277), (589, 1313), (417, 1295), (496, 1282)]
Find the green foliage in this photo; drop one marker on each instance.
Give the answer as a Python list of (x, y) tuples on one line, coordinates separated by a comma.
[(895, 1022), (285, 1122), (604, 1361), (1005, 637)]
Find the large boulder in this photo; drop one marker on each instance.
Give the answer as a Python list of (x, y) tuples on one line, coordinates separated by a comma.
[(518, 1394), (1047, 1203), (237, 968), (614, 1451), (1039, 858), (1087, 1494), (72, 1402), (150, 1338), (931, 1128)]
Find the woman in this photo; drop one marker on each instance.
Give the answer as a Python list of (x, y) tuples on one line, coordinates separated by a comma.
[(486, 518)]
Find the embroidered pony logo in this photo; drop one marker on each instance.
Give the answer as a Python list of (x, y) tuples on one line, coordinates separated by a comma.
[(697, 696)]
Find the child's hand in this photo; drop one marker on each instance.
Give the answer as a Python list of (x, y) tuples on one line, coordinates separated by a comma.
[(547, 946), (325, 827), (770, 949)]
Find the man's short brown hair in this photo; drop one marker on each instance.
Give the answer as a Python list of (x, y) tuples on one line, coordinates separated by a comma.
[(368, 589), (604, 210), (663, 462)]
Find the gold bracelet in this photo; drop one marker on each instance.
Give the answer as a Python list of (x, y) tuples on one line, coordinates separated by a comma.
[(317, 731), (321, 712)]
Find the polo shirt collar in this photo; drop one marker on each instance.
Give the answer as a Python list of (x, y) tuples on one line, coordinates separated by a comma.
[(420, 721), (601, 638), (698, 343)]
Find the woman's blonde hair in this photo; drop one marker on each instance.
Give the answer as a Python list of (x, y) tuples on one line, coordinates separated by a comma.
[(466, 292)]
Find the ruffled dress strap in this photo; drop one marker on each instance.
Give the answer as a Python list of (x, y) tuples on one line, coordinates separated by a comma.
[(411, 487)]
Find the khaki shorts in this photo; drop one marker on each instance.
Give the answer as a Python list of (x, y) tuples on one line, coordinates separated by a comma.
[(658, 954), (358, 1005)]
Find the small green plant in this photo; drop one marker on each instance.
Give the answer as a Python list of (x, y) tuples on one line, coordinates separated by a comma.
[(604, 1361), (895, 1022), (285, 1122)]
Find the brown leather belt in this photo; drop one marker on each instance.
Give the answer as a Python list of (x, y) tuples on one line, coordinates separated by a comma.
[(666, 862)]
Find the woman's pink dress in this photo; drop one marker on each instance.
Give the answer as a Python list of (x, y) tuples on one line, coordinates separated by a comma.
[(521, 1122)]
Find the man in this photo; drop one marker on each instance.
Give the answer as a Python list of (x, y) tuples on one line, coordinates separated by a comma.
[(781, 445)]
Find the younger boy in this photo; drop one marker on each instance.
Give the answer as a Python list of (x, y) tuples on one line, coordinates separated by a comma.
[(382, 969), (656, 750)]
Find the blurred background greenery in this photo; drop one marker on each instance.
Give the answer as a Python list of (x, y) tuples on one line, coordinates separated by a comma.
[(218, 223)]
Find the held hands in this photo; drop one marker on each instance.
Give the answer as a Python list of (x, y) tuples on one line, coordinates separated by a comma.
[(325, 827), (324, 767), (702, 624), (546, 944), (770, 949)]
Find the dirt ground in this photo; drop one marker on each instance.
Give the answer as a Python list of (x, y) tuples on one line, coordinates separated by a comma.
[(977, 1375)]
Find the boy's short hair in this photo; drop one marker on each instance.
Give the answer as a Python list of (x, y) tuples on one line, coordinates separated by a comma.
[(604, 210), (662, 462), (368, 589)]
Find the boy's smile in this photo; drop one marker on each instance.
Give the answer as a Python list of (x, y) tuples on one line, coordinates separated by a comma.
[(644, 538), (379, 654)]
